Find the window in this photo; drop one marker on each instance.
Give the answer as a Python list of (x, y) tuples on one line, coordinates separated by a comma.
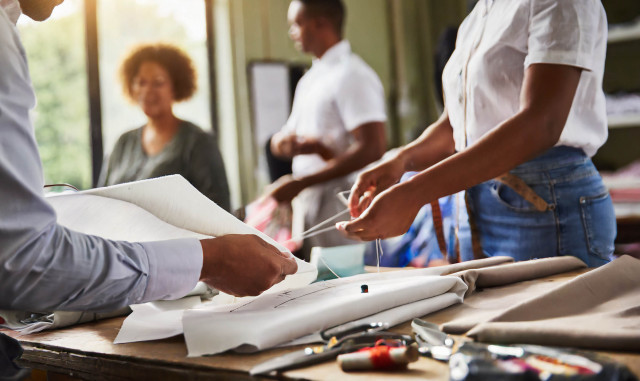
[(56, 55), (57, 60), (126, 23)]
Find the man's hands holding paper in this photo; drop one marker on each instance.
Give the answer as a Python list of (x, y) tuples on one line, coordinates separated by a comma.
[(243, 265)]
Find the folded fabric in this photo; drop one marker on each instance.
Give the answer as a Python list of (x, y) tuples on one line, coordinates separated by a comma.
[(28, 322), (31, 322), (517, 272), (149, 322), (597, 310), (276, 318)]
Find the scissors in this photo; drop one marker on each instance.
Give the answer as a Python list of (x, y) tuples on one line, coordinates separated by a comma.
[(342, 339), (431, 341)]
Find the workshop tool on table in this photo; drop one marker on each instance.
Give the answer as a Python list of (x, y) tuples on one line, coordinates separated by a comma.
[(343, 330), (431, 341), (384, 355), (366, 335), (478, 362)]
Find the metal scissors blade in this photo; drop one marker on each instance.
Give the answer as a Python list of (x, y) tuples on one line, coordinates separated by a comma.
[(431, 340), (351, 328)]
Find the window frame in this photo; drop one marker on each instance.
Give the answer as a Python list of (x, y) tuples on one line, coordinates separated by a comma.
[(93, 80)]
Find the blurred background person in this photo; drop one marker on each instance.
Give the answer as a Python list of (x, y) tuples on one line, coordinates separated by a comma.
[(337, 123), (155, 76)]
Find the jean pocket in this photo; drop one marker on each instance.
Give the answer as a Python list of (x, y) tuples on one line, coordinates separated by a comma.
[(512, 200), (599, 223)]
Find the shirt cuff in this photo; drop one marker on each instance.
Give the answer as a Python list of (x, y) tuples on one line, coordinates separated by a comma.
[(174, 268)]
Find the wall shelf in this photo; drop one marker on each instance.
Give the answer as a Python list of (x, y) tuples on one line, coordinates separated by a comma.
[(624, 120), (624, 33)]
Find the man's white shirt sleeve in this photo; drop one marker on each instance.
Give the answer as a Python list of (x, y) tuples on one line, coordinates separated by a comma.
[(360, 99)]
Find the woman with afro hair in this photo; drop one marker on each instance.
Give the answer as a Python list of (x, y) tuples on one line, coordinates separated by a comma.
[(154, 77)]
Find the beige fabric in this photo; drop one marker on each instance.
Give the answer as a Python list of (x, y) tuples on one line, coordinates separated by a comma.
[(517, 272), (596, 310), (491, 302), (475, 264)]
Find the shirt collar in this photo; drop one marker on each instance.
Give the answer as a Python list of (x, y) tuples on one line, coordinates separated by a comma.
[(12, 9), (337, 51)]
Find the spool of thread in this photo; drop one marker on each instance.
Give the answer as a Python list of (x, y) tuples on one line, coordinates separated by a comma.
[(380, 357)]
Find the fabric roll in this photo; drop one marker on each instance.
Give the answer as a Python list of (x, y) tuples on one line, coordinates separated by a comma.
[(517, 272), (597, 310)]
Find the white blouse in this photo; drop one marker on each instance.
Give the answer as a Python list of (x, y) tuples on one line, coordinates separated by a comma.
[(500, 39)]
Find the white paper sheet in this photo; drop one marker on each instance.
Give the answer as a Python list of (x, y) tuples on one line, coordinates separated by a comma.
[(276, 318), (161, 318), (158, 209), (170, 199)]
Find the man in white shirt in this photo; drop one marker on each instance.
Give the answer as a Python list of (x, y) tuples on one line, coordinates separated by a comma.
[(45, 266), (337, 124)]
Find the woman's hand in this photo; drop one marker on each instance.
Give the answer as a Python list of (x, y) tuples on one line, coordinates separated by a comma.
[(390, 214), (372, 182)]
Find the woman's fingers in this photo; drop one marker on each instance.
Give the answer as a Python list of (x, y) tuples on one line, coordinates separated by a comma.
[(361, 195), (356, 229)]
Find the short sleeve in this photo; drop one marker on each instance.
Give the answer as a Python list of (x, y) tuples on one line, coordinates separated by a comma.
[(564, 32), (360, 98)]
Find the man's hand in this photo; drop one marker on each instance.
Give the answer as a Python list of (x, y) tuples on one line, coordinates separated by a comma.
[(288, 146), (308, 146), (243, 265), (286, 188)]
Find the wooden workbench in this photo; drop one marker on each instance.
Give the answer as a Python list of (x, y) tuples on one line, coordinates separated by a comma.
[(87, 351)]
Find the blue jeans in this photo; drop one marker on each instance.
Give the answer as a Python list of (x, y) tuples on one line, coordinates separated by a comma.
[(580, 220)]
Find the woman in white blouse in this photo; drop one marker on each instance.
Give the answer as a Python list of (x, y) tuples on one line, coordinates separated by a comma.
[(523, 98)]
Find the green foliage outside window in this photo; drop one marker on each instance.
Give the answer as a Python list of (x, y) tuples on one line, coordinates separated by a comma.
[(56, 55), (57, 62)]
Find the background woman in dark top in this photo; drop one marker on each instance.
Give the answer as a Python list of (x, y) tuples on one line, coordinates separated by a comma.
[(155, 77)]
